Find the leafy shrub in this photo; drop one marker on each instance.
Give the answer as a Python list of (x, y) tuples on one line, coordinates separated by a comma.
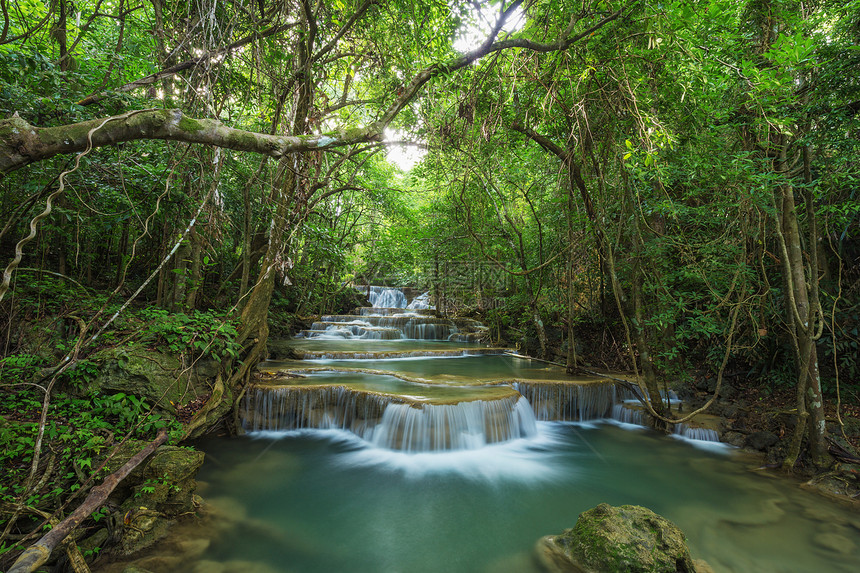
[(197, 332)]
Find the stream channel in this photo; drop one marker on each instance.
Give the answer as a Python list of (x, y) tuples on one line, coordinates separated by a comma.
[(395, 454)]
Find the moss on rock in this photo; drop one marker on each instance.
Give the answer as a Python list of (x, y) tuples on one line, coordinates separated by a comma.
[(624, 539), (157, 377)]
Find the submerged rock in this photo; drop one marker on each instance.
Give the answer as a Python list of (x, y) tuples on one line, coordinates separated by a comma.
[(608, 539), (834, 542)]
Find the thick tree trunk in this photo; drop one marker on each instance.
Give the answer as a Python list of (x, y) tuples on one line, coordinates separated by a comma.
[(810, 404)]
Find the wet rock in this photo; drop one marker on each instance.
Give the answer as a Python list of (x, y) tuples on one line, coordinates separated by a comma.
[(115, 460), (626, 538), (135, 569), (705, 384), (776, 454), (162, 491), (843, 484), (139, 528), (281, 349), (834, 542), (139, 372), (733, 438), (761, 440), (168, 480)]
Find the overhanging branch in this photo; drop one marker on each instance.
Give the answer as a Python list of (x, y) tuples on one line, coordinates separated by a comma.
[(22, 143)]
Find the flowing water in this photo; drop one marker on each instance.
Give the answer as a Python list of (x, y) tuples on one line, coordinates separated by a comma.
[(344, 505), (425, 463)]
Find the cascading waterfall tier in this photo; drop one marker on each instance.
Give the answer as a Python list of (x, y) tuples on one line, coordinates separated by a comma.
[(387, 420), (696, 433), (417, 405), (460, 426), (384, 355), (390, 297), (281, 408), (395, 324), (553, 401), (632, 412), (624, 413)]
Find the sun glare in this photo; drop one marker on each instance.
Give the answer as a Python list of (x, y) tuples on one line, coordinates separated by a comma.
[(474, 32), (400, 153)]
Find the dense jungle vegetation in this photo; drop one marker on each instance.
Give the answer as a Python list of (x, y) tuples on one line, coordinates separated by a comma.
[(669, 188)]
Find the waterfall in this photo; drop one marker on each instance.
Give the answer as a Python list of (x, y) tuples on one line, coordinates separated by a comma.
[(388, 421), (421, 302), (384, 297), (461, 426), (384, 354), (694, 433), (635, 415), (554, 401), (392, 327), (627, 415), (324, 407)]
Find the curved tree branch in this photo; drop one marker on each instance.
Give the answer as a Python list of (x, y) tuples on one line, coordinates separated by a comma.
[(22, 143)]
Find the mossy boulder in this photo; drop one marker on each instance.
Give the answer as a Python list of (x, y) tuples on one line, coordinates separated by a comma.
[(624, 539), (167, 483), (139, 372), (155, 494), (160, 379)]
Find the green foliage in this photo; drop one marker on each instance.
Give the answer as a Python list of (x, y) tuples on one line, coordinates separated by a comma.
[(78, 431), (195, 332)]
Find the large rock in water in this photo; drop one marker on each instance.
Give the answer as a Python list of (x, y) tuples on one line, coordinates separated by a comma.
[(607, 539)]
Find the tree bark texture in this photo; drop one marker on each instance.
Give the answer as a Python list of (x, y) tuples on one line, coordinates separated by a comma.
[(22, 143)]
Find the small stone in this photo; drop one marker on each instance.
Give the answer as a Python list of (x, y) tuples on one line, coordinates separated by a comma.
[(731, 411), (834, 542)]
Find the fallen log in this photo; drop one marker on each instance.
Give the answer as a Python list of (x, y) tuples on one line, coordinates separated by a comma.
[(39, 552)]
